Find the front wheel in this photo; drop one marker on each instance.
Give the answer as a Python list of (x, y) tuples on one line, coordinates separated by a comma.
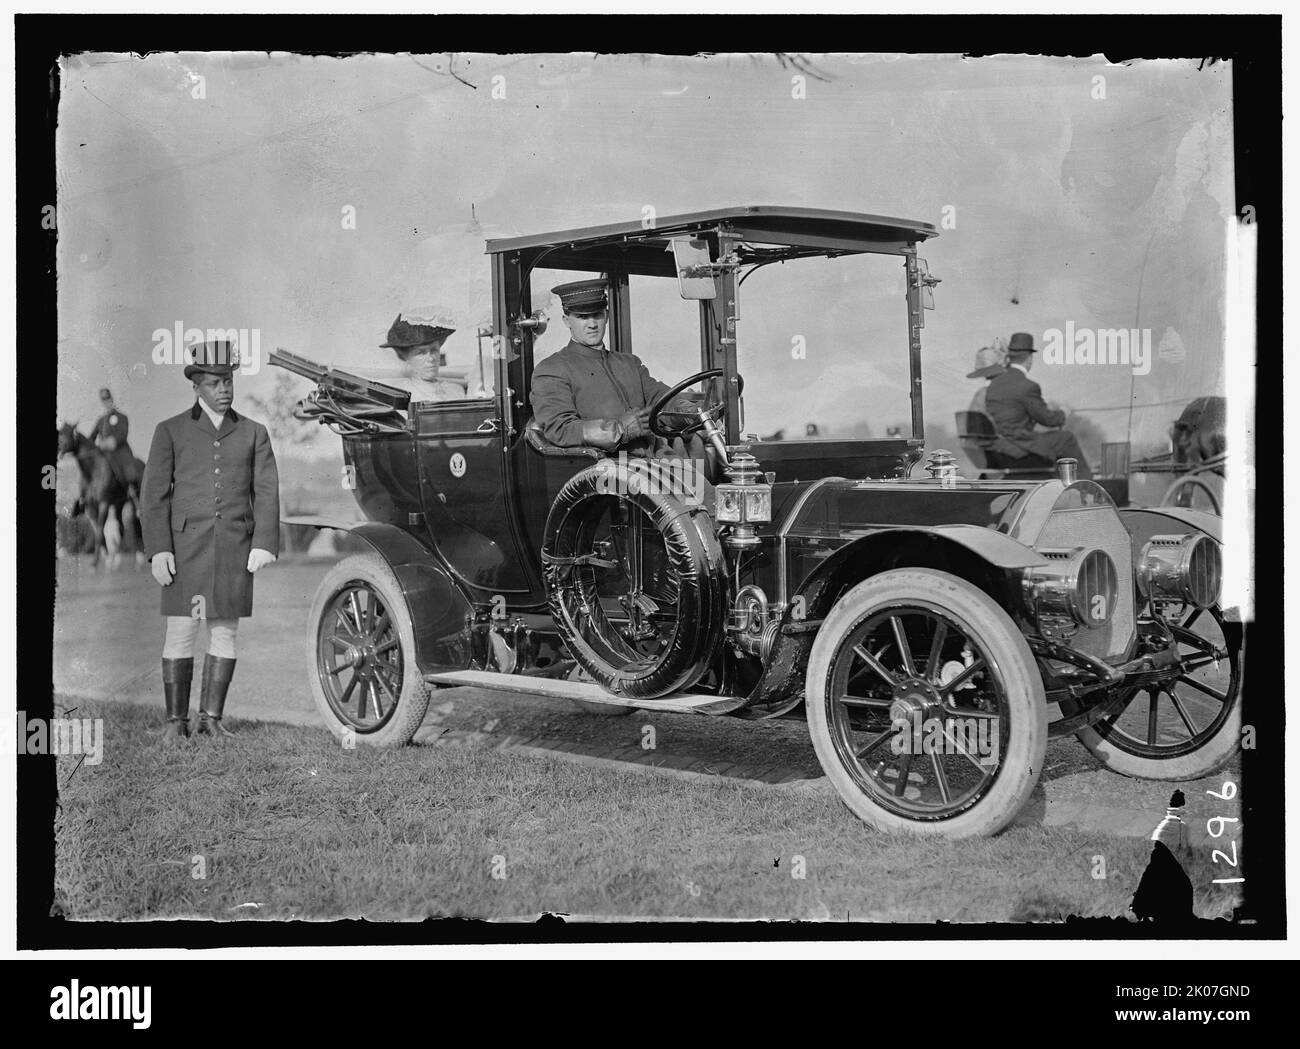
[(926, 707), (1185, 728), (361, 655)]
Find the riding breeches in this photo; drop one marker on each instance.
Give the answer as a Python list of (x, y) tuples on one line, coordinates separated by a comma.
[(182, 630)]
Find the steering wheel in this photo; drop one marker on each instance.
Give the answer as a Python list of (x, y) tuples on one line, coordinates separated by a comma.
[(684, 424)]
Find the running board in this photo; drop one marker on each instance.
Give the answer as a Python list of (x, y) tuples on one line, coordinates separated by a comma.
[(589, 692)]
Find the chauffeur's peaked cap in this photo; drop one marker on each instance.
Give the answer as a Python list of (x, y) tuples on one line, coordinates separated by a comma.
[(582, 296)]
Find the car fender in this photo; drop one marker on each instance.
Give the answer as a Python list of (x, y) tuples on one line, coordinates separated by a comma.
[(435, 602), (994, 555), (1144, 522), (1149, 521)]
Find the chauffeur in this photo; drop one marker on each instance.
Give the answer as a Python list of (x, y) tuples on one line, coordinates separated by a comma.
[(210, 511), (586, 395)]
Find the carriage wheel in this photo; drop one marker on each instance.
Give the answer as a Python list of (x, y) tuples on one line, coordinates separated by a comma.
[(361, 651), (1194, 492)]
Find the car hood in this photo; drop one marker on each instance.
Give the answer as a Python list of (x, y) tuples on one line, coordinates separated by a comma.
[(834, 507)]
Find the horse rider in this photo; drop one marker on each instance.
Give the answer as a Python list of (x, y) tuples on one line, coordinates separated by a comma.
[(1015, 403), (210, 509), (110, 438)]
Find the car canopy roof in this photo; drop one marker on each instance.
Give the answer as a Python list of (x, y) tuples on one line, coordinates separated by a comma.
[(800, 232)]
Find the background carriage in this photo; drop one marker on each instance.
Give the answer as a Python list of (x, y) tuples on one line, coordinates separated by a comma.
[(1190, 475)]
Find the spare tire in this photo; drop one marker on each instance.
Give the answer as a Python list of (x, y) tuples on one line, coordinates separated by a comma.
[(587, 532)]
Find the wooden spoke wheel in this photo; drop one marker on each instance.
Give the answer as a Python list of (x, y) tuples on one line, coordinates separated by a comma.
[(362, 652)]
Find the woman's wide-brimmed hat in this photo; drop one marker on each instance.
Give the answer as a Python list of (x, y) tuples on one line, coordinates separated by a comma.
[(989, 360), (404, 335)]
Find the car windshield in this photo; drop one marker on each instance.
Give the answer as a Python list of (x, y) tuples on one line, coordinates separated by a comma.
[(822, 343), (823, 346)]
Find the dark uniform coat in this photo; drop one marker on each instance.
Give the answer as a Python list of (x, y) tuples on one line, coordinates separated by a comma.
[(1015, 402), (114, 424), (583, 382), (209, 496)]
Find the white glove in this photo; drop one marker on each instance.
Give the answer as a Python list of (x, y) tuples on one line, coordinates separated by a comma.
[(164, 568), (259, 559)]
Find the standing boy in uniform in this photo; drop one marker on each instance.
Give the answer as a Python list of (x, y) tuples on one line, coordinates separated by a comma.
[(210, 510)]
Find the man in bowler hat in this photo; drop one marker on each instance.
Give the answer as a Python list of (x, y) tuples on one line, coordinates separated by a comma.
[(210, 510), (1015, 403)]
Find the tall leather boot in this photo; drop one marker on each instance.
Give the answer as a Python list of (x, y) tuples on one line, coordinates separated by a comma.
[(177, 675), (217, 672)]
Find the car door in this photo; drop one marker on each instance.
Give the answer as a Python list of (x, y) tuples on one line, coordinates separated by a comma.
[(461, 472)]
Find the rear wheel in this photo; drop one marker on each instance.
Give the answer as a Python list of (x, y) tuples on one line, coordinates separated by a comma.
[(925, 706), (361, 651), (1186, 728)]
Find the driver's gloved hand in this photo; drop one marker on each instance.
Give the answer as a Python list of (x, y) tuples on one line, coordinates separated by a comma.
[(635, 423), (602, 433)]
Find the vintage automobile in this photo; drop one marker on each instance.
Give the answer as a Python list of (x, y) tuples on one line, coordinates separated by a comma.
[(934, 630)]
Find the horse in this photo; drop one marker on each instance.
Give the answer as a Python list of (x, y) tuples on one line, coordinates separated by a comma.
[(1198, 434), (102, 494)]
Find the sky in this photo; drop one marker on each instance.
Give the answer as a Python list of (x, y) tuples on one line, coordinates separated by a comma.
[(313, 199)]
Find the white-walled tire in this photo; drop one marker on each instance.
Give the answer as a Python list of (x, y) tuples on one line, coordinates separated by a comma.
[(361, 655), (919, 647)]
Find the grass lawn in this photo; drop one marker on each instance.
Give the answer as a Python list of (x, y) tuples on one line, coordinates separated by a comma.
[(285, 823)]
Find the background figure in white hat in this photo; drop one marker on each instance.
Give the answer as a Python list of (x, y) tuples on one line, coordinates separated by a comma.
[(990, 361)]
